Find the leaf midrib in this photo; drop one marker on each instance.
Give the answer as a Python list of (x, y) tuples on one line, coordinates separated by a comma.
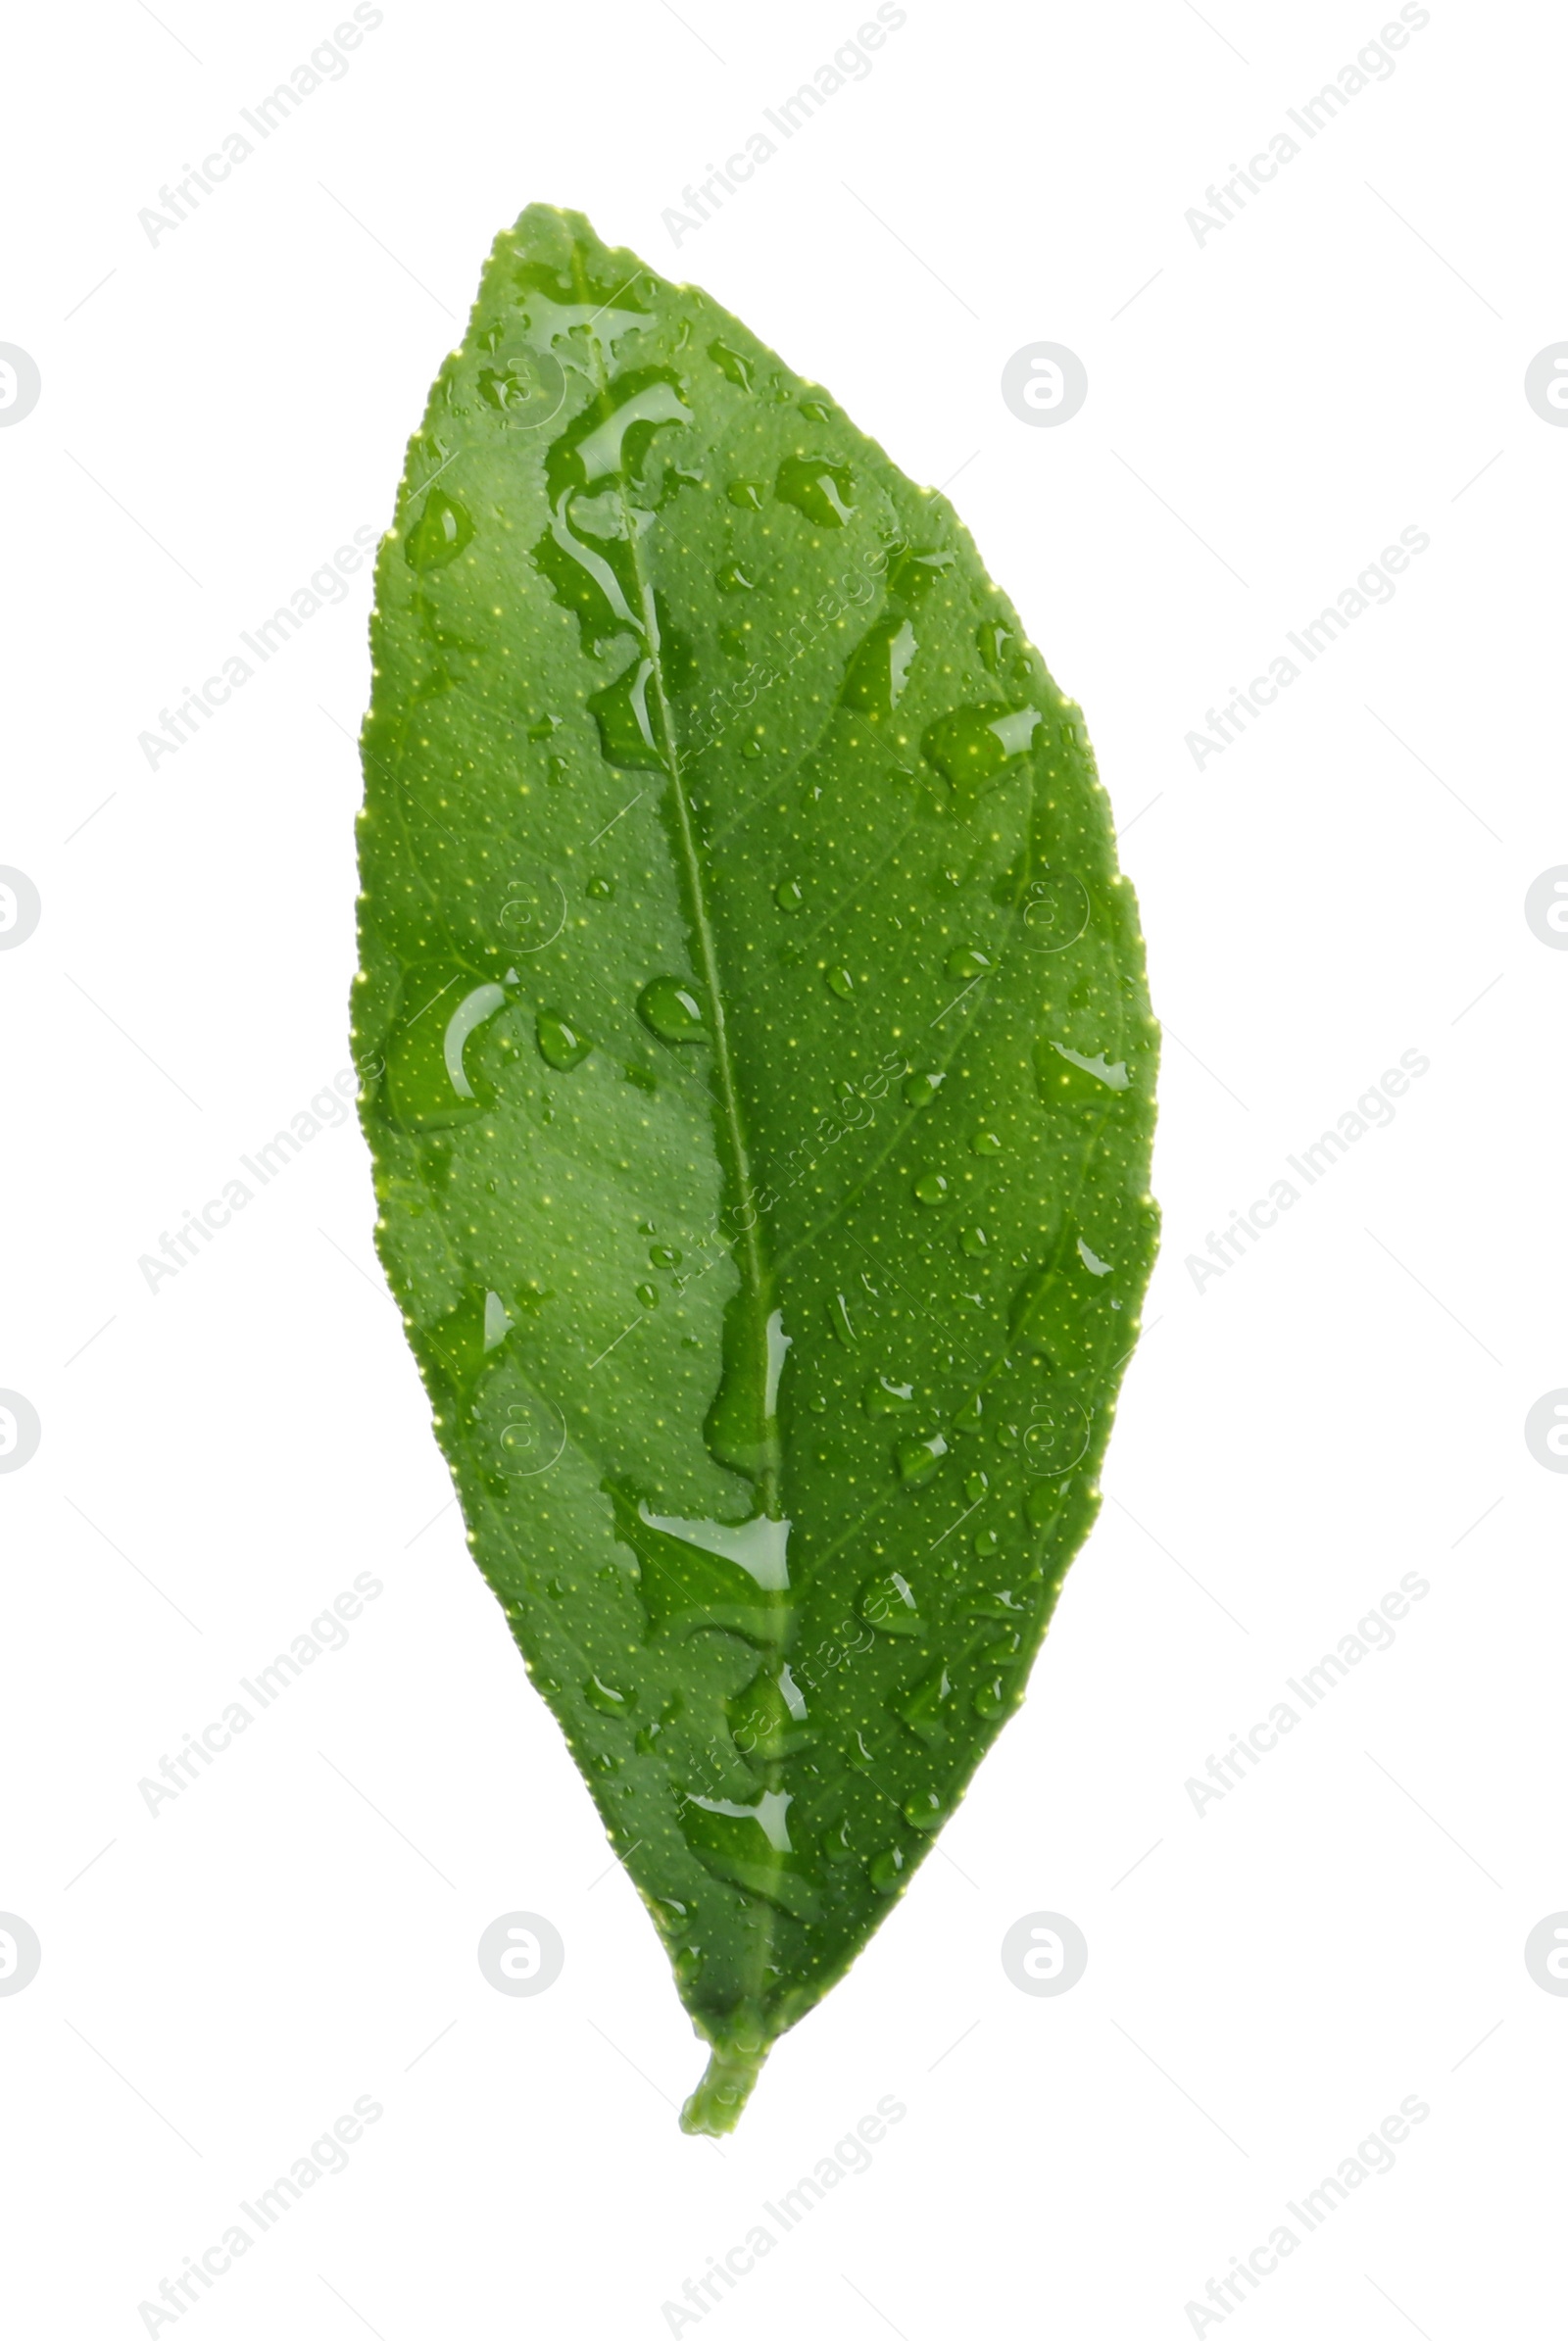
[(747, 1243)]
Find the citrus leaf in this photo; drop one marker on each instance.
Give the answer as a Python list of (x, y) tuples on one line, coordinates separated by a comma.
[(759, 1073)]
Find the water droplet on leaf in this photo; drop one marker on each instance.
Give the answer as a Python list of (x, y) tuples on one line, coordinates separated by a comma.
[(732, 365), (439, 534), (974, 746), (965, 962), (559, 1043), (823, 492), (882, 1396), (917, 1459), (671, 1007), (607, 1699), (888, 1602)]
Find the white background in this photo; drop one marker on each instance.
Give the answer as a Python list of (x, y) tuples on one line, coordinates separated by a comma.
[(1266, 410)]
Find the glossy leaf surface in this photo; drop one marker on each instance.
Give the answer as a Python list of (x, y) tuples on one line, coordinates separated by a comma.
[(759, 1078)]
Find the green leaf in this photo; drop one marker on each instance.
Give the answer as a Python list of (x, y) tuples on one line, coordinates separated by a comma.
[(759, 1077)]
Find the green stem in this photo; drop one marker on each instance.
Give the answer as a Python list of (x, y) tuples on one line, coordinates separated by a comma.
[(716, 2103)]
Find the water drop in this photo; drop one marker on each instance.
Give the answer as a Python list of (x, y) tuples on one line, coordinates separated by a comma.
[(925, 1811), (439, 534), (663, 1255), (887, 1871), (929, 1709), (732, 578), (840, 982), (964, 963), (882, 1396), (995, 641), (732, 365), (917, 1459), (671, 1007), (648, 1295), (973, 746), (880, 669), (789, 893), (921, 1088), (975, 1486), (605, 1697), (984, 1141), (888, 1603), (559, 1043), (823, 492), (985, 1544), (931, 1188), (472, 1011), (1114, 1076), (625, 728), (601, 889), (605, 452), (816, 410), (975, 1242), (912, 579), (991, 1697)]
